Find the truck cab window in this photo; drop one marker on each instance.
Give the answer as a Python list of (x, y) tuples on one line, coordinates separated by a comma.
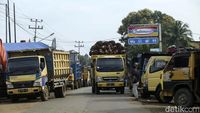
[(157, 66), (42, 63)]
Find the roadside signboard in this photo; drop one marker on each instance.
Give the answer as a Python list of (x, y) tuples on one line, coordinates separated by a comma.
[(155, 49), (140, 41), (147, 30)]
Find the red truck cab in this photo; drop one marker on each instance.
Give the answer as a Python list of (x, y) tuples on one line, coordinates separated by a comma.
[(3, 68)]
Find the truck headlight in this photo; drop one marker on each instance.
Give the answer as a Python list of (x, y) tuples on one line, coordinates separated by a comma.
[(99, 79), (121, 79), (9, 85), (37, 82)]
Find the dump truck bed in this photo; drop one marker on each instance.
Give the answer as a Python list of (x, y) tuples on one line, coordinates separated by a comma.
[(58, 64)]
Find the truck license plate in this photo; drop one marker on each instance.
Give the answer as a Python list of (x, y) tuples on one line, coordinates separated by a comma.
[(23, 90), (110, 84)]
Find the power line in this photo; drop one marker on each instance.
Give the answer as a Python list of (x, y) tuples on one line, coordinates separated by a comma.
[(36, 27), (23, 28), (79, 45)]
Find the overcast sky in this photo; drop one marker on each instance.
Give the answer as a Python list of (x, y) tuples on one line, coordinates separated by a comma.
[(91, 20)]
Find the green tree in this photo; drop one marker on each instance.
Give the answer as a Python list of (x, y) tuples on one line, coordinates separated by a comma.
[(84, 60), (181, 34)]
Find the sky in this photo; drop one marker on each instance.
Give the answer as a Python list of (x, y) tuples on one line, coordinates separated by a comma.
[(90, 20)]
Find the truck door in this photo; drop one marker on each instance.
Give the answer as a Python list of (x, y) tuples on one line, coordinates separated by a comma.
[(178, 68), (154, 73)]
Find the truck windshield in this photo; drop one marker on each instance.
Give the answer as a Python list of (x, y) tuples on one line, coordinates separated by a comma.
[(109, 65), (23, 66)]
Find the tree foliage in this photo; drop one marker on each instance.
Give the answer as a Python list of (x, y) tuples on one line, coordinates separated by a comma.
[(174, 32), (84, 60)]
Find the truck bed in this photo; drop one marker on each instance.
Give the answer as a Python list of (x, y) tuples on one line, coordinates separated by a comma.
[(58, 64)]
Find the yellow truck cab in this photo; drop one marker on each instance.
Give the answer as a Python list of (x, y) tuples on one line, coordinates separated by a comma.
[(27, 75), (108, 72), (150, 80), (181, 78)]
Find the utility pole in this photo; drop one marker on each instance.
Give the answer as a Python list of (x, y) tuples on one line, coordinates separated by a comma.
[(36, 27), (15, 32), (6, 14), (79, 45), (9, 29)]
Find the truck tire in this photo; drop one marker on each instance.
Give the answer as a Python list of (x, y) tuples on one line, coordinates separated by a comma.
[(183, 97), (145, 95), (79, 84), (122, 90), (97, 91), (157, 95), (76, 85), (60, 92), (93, 89), (72, 87), (117, 90), (44, 94)]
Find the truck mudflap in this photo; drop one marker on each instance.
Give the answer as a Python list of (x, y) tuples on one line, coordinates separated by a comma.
[(110, 84), (21, 91)]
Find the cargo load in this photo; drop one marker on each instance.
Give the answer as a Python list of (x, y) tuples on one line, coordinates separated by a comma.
[(107, 47)]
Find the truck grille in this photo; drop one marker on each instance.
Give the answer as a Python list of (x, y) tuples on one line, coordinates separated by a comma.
[(110, 79), (23, 84)]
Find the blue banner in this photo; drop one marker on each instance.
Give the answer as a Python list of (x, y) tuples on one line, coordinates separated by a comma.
[(140, 41)]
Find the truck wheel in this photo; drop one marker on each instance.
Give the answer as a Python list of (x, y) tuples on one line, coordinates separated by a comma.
[(72, 87), (157, 95), (76, 85), (97, 91), (60, 92), (93, 89), (79, 84), (117, 90), (183, 97), (145, 95), (122, 90), (45, 94)]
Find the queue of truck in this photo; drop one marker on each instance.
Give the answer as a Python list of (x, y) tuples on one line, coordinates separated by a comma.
[(172, 77), (34, 70)]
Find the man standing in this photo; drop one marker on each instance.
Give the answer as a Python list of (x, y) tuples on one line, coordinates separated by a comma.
[(135, 75)]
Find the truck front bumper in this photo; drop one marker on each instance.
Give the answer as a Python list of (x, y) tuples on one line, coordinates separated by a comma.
[(110, 84), (24, 91)]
